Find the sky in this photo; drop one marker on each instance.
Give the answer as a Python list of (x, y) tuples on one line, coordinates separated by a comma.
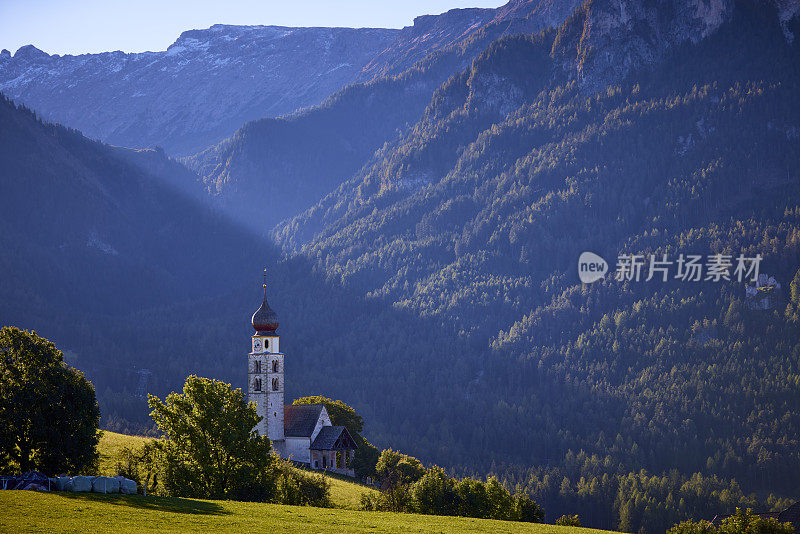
[(85, 26)]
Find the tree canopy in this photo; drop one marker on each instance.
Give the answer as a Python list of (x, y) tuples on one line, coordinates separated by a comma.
[(48, 411), (210, 448), (742, 522), (408, 487)]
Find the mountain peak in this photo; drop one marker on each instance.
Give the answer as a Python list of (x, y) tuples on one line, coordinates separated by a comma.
[(30, 53)]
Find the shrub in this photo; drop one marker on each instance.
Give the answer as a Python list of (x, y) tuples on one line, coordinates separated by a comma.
[(742, 522), (569, 521)]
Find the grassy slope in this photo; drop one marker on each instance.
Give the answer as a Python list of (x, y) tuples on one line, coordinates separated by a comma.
[(110, 447), (344, 494), (27, 511), (24, 511)]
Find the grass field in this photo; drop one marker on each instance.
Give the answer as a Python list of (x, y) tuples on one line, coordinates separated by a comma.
[(111, 446), (28, 511), (344, 494)]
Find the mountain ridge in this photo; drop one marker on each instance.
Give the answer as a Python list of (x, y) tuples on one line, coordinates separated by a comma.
[(211, 81), (204, 86), (263, 165)]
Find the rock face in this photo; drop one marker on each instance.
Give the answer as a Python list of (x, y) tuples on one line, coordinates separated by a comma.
[(606, 40), (458, 26), (198, 91)]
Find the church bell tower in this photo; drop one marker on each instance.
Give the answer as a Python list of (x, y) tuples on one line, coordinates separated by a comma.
[(265, 373)]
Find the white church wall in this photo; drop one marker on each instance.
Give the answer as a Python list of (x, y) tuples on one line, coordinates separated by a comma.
[(297, 449), (324, 420), (256, 361), (275, 399)]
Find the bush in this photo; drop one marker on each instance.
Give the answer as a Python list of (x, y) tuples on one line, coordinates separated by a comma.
[(435, 493), (139, 465), (569, 521), (409, 487), (299, 488), (742, 522), (527, 510)]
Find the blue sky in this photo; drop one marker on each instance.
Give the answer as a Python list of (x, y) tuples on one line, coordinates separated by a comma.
[(81, 26)]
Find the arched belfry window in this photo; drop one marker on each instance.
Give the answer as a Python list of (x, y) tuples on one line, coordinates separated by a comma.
[(257, 384), (274, 384), (274, 366), (258, 366)]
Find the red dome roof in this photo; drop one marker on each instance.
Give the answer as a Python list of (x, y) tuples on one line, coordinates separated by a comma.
[(265, 320)]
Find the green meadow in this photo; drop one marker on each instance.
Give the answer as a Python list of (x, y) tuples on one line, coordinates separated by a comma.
[(28, 511)]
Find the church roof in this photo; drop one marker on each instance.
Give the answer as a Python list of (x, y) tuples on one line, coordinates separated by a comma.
[(333, 437), (299, 420), (265, 320)]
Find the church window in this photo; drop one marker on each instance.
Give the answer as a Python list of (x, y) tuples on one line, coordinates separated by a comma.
[(258, 366), (257, 384), (274, 384), (266, 344), (274, 366)]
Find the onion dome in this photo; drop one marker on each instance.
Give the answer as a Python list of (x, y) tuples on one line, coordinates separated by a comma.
[(265, 320)]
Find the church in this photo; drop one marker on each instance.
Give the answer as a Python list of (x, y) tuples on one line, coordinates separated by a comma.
[(300, 433)]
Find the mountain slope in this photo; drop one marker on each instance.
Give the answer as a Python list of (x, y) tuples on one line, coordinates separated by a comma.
[(436, 291), (477, 215), (79, 213), (431, 33), (274, 168)]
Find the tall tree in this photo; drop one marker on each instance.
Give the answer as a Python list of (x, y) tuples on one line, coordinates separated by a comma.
[(210, 448), (396, 472), (48, 411)]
